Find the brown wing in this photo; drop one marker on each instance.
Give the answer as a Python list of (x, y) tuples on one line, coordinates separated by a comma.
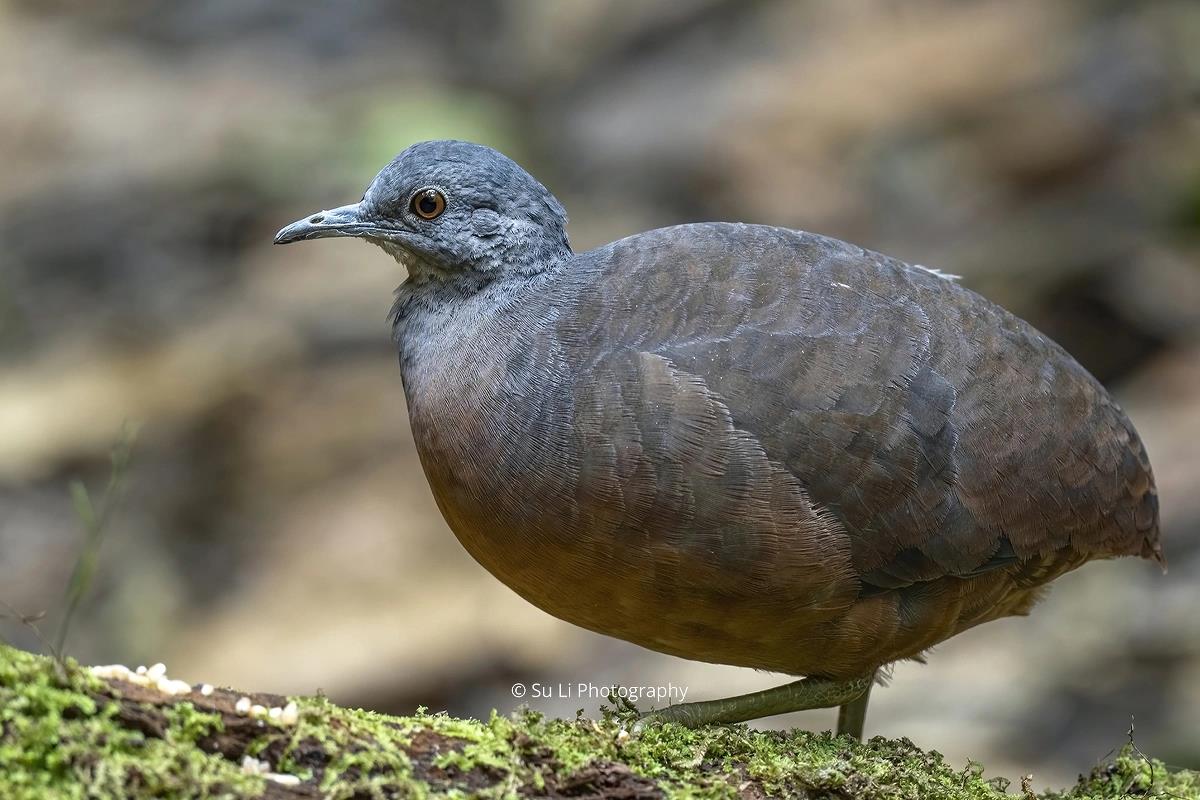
[(944, 435), (689, 510)]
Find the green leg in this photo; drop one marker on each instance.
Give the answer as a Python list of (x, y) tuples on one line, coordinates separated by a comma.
[(853, 714), (798, 696)]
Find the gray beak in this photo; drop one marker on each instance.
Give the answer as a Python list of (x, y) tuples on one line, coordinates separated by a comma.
[(345, 221)]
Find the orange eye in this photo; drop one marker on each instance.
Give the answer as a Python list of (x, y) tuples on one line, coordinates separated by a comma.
[(428, 203)]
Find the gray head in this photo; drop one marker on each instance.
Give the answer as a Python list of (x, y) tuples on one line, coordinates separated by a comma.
[(445, 208)]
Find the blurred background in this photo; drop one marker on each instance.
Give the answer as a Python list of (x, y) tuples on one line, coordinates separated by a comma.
[(276, 532)]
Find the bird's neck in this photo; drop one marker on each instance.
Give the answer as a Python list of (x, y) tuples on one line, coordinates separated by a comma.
[(436, 302), (515, 249)]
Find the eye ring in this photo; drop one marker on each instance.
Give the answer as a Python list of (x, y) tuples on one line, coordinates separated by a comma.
[(428, 203)]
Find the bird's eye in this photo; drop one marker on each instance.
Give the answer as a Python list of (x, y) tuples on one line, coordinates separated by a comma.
[(428, 203)]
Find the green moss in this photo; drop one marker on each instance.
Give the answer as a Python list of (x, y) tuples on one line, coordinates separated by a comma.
[(357, 752), (68, 737), (1133, 774), (700, 763), (59, 741), (528, 749)]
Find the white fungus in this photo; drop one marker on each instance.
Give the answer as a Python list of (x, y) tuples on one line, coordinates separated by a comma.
[(151, 677), (252, 766), (112, 672), (173, 687), (156, 677)]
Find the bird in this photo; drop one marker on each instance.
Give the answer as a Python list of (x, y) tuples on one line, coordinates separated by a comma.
[(737, 443)]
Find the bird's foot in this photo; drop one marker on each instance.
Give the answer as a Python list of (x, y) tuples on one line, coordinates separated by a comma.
[(798, 696)]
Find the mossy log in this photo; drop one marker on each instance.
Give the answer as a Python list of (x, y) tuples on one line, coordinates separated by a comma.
[(67, 733)]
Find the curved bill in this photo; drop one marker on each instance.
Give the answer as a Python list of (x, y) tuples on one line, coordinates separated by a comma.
[(345, 221)]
